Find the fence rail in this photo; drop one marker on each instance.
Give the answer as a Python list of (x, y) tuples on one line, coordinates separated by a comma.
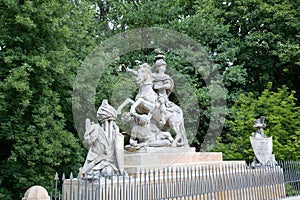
[(229, 181), (291, 171)]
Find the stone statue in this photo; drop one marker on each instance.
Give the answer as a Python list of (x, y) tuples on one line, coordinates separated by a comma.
[(152, 100), (163, 86), (105, 144), (145, 134), (259, 125), (262, 146)]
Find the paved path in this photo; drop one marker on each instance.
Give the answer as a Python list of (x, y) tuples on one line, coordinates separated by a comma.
[(292, 198)]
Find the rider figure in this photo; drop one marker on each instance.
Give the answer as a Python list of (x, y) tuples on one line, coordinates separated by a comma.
[(162, 84)]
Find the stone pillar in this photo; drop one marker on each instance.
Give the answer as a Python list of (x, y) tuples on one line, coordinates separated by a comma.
[(36, 193)]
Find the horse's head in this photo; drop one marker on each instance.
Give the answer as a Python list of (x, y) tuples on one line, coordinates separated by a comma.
[(144, 75)]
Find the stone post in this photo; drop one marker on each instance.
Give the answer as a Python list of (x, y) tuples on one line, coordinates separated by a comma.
[(36, 193)]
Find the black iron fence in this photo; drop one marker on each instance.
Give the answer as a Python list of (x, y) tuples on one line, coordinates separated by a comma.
[(291, 171), (211, 181)]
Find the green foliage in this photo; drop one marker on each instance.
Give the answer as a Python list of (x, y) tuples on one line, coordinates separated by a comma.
[(282, 119), (137, 14), (41, 43), (268, 41)]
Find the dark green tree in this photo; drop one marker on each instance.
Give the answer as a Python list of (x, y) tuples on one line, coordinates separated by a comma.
[(268, 41), (41, 46), (282, 119)]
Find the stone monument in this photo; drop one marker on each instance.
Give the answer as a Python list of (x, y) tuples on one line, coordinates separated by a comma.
[(152, 116), (151, 146), (105, 144), (153, 101), (262, 146)]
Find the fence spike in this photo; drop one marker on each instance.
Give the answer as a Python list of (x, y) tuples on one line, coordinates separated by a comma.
[(237, 181), (78, 184), (71, 176), (94, 176)]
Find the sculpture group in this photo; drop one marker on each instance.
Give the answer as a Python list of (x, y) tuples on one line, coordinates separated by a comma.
[(153, 100), (152, 114)]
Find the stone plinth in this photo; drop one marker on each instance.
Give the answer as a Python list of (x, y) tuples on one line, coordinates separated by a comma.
[(153, 158)]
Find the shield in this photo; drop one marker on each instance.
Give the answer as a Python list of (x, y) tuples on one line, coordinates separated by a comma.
[(263, 148)]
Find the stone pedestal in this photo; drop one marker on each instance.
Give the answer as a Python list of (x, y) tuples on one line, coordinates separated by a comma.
[(163, 157)]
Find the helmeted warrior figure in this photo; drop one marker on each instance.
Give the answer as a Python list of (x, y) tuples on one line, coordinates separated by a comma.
[(259, 125), (163, 85)]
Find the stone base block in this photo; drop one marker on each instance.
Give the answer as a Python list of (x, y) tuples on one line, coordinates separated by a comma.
[(170, 157)]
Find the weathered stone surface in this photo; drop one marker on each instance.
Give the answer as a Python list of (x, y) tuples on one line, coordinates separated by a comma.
[(153, 100), (163, 150), (156, 159), (263, 148), (105, 143), (36, 193)]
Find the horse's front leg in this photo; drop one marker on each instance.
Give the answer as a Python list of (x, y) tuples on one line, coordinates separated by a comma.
[(126, 102), (134, 105), (146, 104)]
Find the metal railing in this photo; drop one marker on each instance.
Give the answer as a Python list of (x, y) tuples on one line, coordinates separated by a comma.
[(291, 171), (228, 181)]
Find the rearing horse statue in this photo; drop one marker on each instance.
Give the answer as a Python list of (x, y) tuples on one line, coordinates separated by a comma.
[(146, 103)]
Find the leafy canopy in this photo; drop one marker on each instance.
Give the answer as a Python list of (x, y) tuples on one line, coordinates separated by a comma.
[(41, 45), (282, 119)]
